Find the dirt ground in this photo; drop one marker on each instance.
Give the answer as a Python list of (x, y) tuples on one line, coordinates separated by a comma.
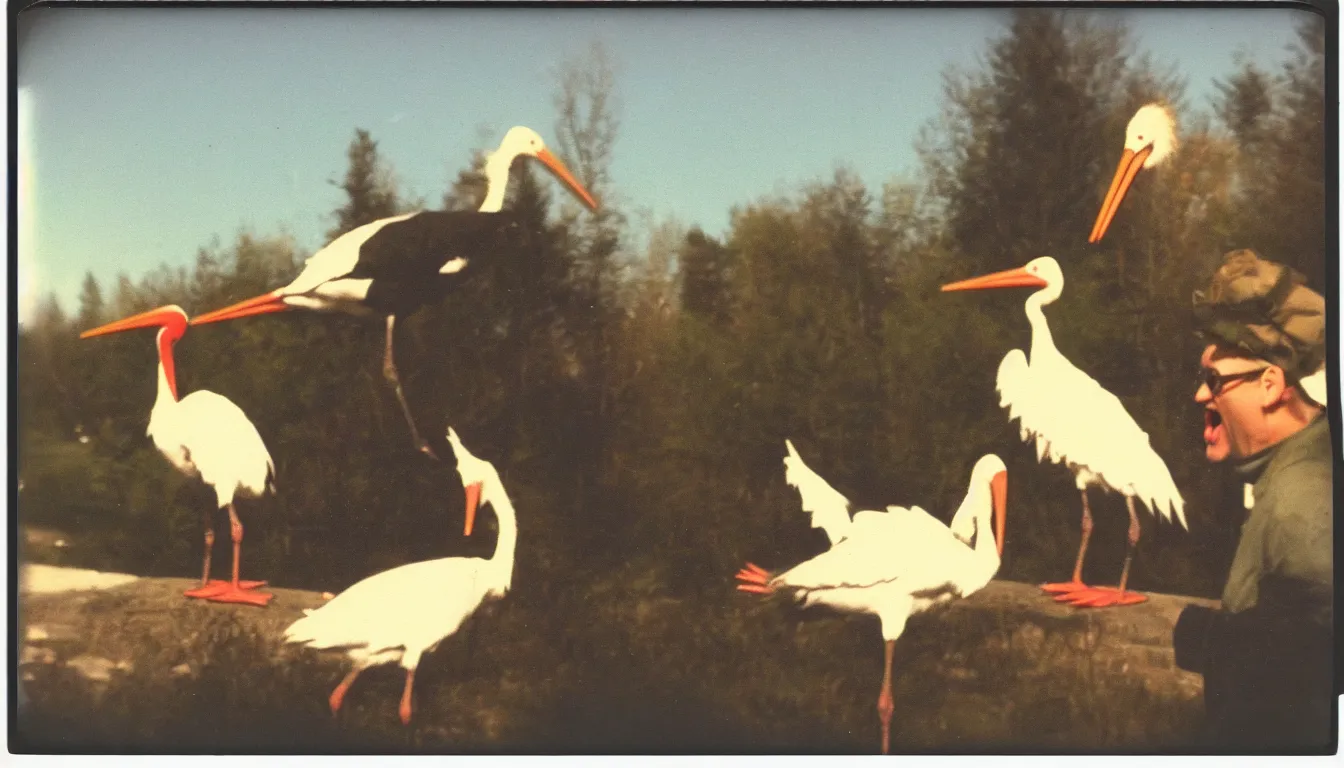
[(138, 667)]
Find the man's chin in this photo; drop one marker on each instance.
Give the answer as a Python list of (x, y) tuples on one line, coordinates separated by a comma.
[(1216, 452)]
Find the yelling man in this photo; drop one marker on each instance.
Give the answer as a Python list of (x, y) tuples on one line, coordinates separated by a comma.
[(1267, 653)]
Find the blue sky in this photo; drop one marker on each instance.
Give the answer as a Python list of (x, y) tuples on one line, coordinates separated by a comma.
[(146, 133)]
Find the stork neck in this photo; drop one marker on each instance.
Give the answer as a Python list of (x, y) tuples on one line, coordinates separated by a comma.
[(496, 182), (167, 371), (502, 559), (1042, 342), (985, 545)]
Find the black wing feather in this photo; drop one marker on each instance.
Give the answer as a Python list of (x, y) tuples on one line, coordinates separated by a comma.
[(417, 248)]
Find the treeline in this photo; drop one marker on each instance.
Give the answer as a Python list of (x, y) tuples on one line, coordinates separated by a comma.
[(635, 380)]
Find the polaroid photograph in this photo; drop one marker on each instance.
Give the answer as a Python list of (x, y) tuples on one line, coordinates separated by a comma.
[(674, 379)]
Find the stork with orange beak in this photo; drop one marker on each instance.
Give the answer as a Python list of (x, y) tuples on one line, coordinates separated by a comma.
[(1150, 139), (206, 436), (1075, 422), (894, 563), (394, 266), (400, 614)]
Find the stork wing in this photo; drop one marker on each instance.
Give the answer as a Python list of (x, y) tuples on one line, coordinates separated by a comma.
[(1085, 426), (1016, 391), (829, 508), (900, 544), (387, 608), (339, 257), (225, 446), (436, 242)]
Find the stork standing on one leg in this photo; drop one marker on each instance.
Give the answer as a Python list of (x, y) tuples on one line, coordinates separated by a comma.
[(394, 266), (893, 563), (1077, 423), (206, 436)]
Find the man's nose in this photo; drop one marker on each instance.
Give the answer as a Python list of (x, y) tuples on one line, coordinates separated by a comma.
[(1203, 395)]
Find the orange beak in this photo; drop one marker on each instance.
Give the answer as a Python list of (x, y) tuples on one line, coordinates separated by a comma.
[(473, 497), (1011, 278), (258, 305), (559, 169), (1130, 163), (998, 488), (154, 318)]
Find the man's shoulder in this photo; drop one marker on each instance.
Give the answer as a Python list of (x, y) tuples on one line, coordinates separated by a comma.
[(1302, 485)]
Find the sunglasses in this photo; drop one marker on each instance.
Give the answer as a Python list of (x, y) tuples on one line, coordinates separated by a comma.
[(1215, 381)]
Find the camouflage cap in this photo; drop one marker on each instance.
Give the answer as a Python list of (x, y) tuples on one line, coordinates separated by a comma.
[(1265, 309)]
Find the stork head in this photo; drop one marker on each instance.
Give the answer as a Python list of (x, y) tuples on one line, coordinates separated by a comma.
[(476, 473), (521, 140), (1150, 139), (1042, 272), (171, 320), (988, 487)]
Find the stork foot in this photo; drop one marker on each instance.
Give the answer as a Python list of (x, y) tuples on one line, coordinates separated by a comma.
[(244, 593), (218, 586), (1064, 587), (1101, 597), (754, 578)]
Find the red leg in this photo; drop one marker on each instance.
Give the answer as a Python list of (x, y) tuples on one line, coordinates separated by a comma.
[(1067, 587), (405, 710), (338, 695), (885, 705), (240, 591), (1104, 597), (207, 588)]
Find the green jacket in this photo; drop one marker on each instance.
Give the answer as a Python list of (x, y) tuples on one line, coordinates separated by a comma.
[(1289, 531), (1267, 655)]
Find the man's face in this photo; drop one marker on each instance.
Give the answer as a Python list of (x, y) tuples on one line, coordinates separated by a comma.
[(1233, 418)]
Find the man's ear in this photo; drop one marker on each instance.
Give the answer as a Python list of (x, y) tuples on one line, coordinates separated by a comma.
[(1273, 386)]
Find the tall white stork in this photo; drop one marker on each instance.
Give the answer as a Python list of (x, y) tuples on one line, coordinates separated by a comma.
[(394, 266), (1077, 423), (1150, 139), (895, 563), (398, 615), (205, 436)]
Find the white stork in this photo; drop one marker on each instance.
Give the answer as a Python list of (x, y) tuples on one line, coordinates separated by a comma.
[(1077, 423), (1150, 139), (896, 563), (394, 266), (206, 436), (398, 615)]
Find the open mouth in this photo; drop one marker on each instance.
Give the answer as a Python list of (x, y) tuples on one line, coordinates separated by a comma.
[(1213, 426)]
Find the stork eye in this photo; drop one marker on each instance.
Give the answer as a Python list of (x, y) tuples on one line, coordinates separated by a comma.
[(1140, 137)]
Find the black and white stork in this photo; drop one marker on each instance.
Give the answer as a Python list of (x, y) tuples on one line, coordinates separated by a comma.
[(394, 266)]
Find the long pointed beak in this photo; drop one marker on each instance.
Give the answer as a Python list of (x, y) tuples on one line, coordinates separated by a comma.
[(473, 498), (1011, 278), (559, 169), (998, 488), (258, 305), (1130, 163), (151, 319)]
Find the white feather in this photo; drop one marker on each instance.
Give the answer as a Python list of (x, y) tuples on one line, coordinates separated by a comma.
[(337, 258), (206, 435), (453, 266), (828, 507)]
